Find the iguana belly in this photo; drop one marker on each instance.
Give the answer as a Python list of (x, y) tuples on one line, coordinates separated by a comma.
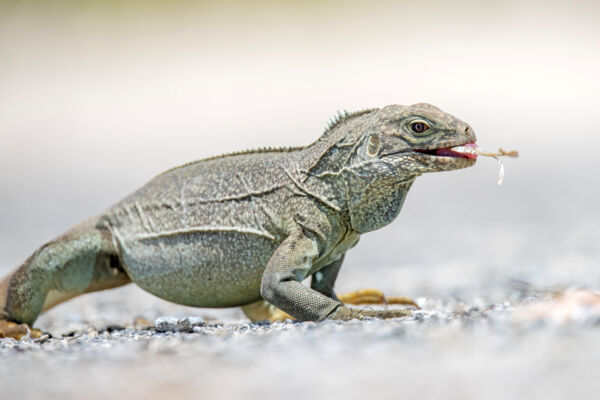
[(204, 269)]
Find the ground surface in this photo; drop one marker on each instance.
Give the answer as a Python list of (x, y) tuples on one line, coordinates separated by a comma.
[(474, 356)]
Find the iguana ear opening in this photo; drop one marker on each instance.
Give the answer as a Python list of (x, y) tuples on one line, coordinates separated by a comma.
[(373, 145)]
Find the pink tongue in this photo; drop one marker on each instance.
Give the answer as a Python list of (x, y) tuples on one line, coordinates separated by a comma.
[(448, 152)]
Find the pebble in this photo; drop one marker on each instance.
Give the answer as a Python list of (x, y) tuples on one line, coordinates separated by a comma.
[(172, 324)]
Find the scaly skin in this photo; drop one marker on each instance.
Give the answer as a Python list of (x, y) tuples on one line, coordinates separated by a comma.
[(238, 229)]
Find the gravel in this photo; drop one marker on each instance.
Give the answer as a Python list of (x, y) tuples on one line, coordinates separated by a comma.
[(449, 349)]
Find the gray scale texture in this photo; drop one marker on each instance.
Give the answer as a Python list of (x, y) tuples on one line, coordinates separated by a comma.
[(238, 229)]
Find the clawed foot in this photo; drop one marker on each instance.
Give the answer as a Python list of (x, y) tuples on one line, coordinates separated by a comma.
[(344, 313), (371, 296), (374, 296), (9, 329), (263, 311)]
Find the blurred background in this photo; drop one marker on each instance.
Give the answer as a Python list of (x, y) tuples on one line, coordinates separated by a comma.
[(97, 97)]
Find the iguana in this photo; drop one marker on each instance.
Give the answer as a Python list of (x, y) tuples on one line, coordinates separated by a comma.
[(245, 229)]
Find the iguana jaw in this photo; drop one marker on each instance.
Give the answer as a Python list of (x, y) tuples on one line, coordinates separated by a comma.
[(452, 154)]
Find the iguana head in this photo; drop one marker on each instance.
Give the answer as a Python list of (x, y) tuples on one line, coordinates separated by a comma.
[(415, 139), (390, 148)]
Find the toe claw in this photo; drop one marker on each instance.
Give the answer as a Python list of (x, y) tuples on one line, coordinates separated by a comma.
[(374, 296)]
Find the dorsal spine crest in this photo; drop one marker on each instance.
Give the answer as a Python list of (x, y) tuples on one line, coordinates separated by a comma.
[(340, 117)]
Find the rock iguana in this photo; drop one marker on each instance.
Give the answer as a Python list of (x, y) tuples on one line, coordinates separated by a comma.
[(245, 229)]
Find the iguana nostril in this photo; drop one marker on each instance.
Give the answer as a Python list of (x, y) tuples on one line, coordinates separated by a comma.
[(467, 130)]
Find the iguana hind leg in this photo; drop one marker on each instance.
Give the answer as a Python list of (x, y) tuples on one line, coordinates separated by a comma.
[(82, 260), (263, 311), (17, 331)]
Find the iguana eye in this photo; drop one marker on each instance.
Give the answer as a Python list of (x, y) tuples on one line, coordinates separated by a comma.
[(419, 126)]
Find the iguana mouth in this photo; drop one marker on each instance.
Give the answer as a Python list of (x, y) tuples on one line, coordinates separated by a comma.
[(462, 151)]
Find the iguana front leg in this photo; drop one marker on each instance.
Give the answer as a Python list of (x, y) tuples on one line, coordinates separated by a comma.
[(281, 283), (282, 287), (322, 281)]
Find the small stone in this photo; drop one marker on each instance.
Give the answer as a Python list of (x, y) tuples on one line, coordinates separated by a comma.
[(172, 324), (189, 323), (165, 324)]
